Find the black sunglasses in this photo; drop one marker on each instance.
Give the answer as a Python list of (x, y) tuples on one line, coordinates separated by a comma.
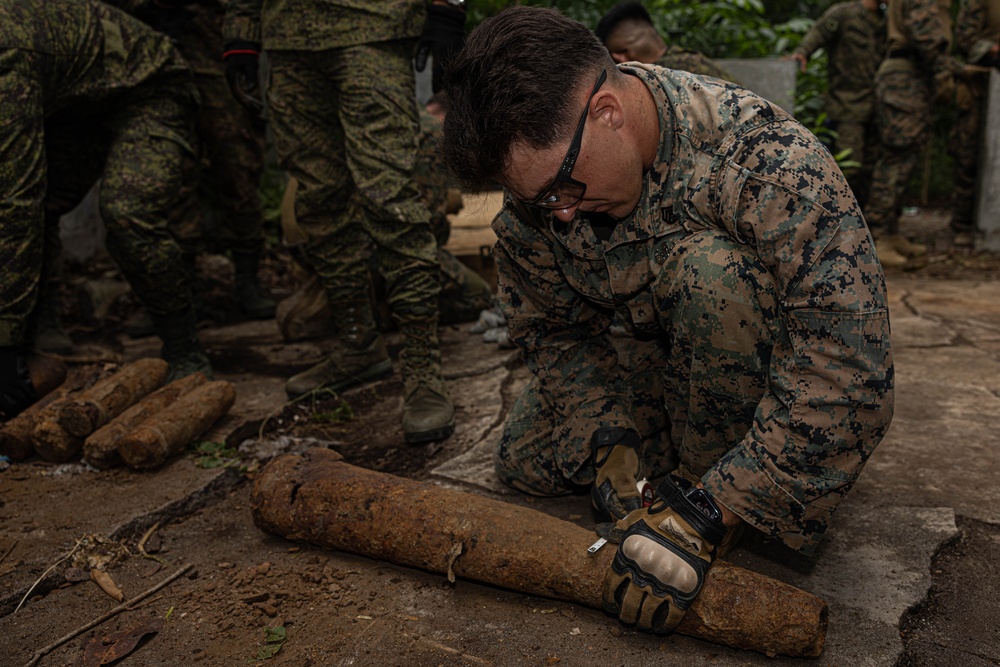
[(565, 191)]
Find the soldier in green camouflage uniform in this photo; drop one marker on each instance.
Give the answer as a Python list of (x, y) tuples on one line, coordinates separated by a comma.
[(628, 32), (727, 238), (342, 105), (977, 36), (853, 34), (917, 70), (90, 92)]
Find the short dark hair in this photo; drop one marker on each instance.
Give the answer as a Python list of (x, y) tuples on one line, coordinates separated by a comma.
[(623, 11), (511, 83)]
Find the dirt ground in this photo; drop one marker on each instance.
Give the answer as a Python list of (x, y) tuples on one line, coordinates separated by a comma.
[(254, 599)]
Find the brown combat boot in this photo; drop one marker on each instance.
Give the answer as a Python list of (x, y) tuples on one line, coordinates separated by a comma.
[(428, 413), (906, 247), (360, 356), (888, 256)]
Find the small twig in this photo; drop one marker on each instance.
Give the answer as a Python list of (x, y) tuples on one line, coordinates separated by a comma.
[(141, 546), (46, 573), (40, 653), (146, 603), (7, 553)]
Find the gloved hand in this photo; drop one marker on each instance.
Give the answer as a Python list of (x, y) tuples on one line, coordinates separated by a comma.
[(242, 61), (618, 469), (666, 550), (16, 390), (442, 36)]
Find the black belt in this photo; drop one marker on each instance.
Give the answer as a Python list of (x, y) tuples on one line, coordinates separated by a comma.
[(902, 53)]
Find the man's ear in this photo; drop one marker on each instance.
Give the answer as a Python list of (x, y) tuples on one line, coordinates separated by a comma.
[(620, 56), (607, 106)]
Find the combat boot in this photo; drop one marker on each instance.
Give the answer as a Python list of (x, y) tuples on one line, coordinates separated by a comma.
[(254, 301), (360, 355), (888, 256), (428, 413), (49, 334), (181, 348), (905, 247)]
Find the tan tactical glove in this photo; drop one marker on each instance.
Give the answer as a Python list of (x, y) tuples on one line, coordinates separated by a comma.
[(665, 551), (617, 471)]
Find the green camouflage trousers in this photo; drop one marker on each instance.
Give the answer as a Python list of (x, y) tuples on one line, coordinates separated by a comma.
[(904, 100), (345, 126), (137, 146), (966, 137), (862, 138), (693, 390), (232, 150)]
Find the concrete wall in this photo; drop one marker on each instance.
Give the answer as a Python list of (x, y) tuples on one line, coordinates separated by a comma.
[(771, 78), (987, 209)]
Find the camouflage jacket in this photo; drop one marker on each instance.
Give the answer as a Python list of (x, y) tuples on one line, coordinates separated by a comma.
[(728, 161), (316, 25), (977, 28), (855, 41), (921, 29), (83, 52), (688, 60)]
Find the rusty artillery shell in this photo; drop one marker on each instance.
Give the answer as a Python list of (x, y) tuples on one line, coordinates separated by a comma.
[(169, 431), (111, 396), (318, 498), (101, 448)]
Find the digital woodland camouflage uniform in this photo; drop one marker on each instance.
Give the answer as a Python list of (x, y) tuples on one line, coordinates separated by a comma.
[(89, 92), (855, 42), (917, 68), (342, 105), (977, 30), (761, 358)]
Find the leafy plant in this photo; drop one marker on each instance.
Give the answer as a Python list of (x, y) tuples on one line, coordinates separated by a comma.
[(274, 639), (214, 454)]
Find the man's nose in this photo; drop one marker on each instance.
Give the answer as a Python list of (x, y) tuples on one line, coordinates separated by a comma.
[(566, 214)]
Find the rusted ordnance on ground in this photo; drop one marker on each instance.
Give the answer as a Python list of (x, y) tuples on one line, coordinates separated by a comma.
[(101, 448), (318, 498), (17, 435), (169, 431), (111, 396)]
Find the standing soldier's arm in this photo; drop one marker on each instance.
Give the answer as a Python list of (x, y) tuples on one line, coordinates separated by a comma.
[(929, 36), (823, 33), (972, 34), (241, 39)]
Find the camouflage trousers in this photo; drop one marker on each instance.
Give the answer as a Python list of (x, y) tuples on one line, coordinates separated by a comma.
[(693, 390), (225, 205), (861, 137), (904, 105), (345, 126), (137, 148), (966, 137)]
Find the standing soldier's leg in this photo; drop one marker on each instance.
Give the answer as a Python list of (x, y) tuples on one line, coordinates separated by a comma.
[(851, 136), (22, 186), (303, 98), (904, 111), (142, 178), (965, 139), (379, 116)]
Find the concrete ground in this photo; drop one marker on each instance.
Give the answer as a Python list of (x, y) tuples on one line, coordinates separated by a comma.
[(909, 568)]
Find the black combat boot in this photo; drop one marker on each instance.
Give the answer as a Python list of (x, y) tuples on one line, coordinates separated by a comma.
[(360, 355), (181, 347), (428, 413), (254, 301), (49, 335)]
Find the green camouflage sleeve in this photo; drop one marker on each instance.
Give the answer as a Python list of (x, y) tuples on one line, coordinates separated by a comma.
[(831, 379), (929, 35), (562, 337), (971, 33), (822, 32), (242, 21)]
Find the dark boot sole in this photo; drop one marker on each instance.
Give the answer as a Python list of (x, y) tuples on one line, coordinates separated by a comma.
[(421, 437)]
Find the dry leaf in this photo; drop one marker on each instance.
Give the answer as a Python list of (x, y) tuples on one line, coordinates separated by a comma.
[(105, 650), (107, 584)]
